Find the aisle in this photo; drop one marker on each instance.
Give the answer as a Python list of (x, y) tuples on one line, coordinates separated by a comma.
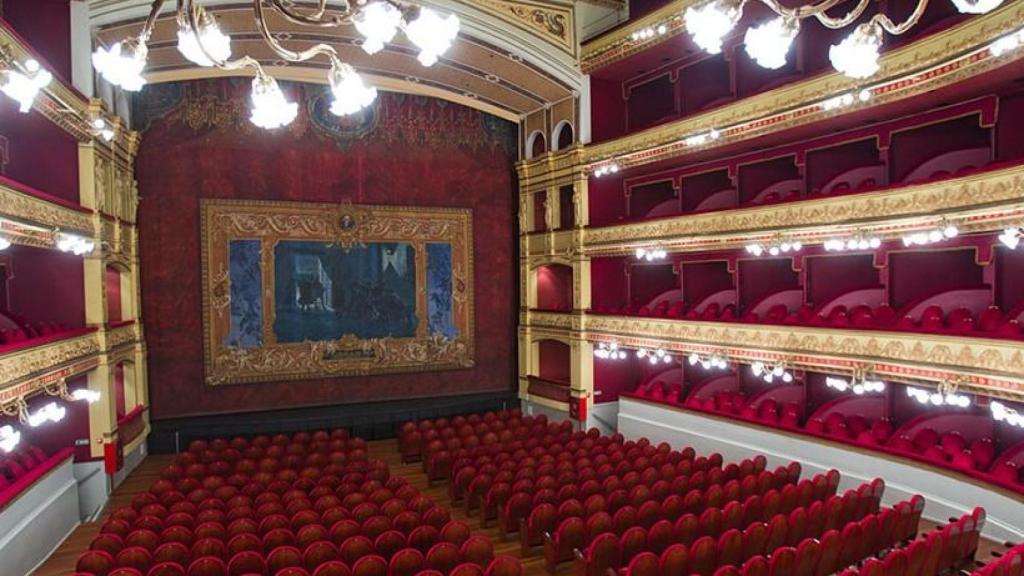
[(62, 562), (387, 450)]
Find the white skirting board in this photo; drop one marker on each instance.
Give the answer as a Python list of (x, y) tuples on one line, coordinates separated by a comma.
[(534, 409), (946, 495), (603, 417), (38, 521), (131, 461)]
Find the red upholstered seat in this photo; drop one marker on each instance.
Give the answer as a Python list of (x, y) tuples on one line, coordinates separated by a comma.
[(208, 566), (166, 569), (467, 569), (332, 568), (247, 562), (371, 565), (96, 562)]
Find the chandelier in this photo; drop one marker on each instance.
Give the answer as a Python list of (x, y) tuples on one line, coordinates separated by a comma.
[(202, 42), (768, 44)]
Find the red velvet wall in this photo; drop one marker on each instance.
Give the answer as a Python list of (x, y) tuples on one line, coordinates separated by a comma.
[(46, 25), (646, 281), (607, 282), (38, 153), (916, 275), (1009, 277), (825, 164), (47, 286), (613, 377), (554, 360), (113, 280), (1009, 144), (759, 278), (702, 279), (910, 148), (554, 287), (412, 151), (829, 276), (608, 109)]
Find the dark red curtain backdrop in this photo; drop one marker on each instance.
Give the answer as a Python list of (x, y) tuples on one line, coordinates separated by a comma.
[(415, 151)]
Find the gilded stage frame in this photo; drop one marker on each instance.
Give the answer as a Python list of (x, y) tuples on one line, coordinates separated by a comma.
[(263, 351)]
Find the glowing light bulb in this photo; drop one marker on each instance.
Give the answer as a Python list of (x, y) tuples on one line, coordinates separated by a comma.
[(709, 23), (857, 54), (216, 43), (377, 22), (350, 93), (769, 43), (270, 108)]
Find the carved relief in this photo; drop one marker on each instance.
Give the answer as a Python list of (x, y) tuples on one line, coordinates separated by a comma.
[(999, 365), (22, 364)]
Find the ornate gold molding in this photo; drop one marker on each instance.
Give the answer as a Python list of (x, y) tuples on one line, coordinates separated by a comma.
[(936, 61), (618, 44), (36, 211), (121, 335), (983, 202), (25, 363), (552, 22), (987, 366)]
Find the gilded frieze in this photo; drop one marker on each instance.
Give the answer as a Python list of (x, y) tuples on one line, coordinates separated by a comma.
[(22, 364), (991, 366)]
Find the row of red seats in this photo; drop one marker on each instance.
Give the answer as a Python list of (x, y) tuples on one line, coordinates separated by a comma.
[(1010, 564), (685, 526), (515, 501), (942, 551), (993, 322), (412, 436), (20, 462), (252, 564), (820, 552), (439, 455), (263, 506), (210, 556), (978, 458), (644, 504)]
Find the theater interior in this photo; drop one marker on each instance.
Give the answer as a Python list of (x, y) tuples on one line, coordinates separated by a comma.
[(511, 287)]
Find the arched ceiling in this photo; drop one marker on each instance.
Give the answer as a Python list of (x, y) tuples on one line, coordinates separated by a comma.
[(512, 57)]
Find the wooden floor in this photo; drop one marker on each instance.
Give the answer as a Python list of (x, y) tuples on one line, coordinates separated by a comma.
[(62, 562)]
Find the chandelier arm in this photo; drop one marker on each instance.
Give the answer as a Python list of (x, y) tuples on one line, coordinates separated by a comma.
[(315, 18), (193, 12), (291, 55), (896, 29), (800, 12), (844, 20), (154, 12)]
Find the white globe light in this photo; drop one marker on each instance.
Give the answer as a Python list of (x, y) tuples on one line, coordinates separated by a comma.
[(9, 438), (711, 22), (377, 22), (122, 64), (769, 43), (350, 94), (270, 108), (23, 88), (857, 55), (216, 43), (1010, 238), (976, 6), (432, 34)]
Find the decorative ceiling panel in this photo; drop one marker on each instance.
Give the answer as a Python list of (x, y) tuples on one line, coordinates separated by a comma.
[(496, 64)]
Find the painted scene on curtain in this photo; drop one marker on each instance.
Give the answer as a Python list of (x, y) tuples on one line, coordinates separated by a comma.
[(334, 296)]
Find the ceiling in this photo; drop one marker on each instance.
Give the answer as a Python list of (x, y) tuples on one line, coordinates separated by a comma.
[(512, 57)]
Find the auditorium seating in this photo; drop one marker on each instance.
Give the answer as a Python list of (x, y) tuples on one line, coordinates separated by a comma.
[(991, 323), (309, 504), (978, 458)]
